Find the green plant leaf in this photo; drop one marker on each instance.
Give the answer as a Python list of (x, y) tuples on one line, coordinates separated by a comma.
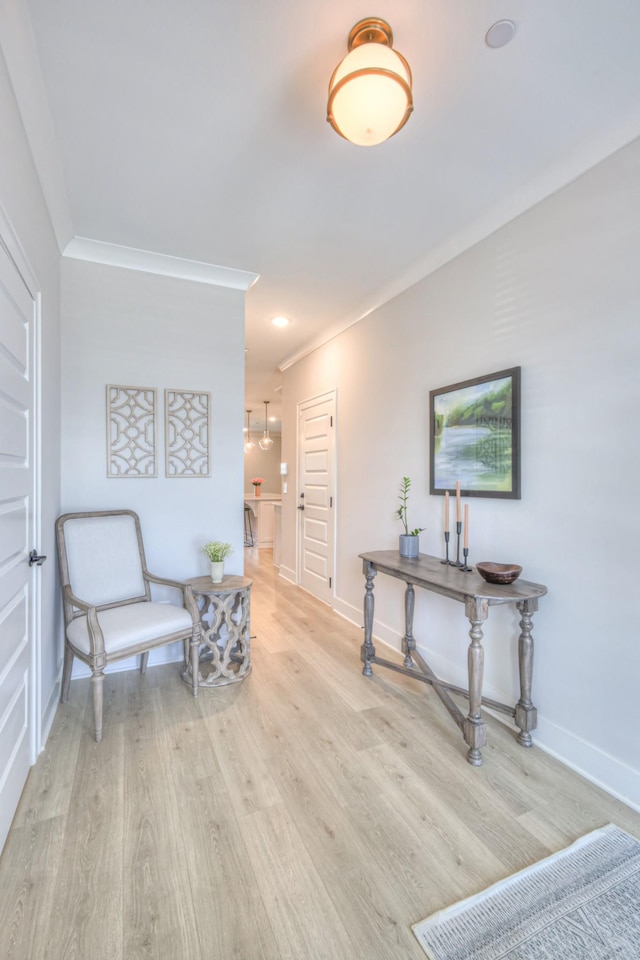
[(401, 512)]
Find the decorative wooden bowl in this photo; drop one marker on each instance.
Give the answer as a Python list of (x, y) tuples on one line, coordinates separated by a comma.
[(498, 572)]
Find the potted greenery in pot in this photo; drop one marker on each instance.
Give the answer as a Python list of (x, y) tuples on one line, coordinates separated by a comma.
[(216, 550), (409, 540)]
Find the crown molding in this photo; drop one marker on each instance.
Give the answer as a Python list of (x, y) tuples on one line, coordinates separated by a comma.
[(146, 261), (567, 169)]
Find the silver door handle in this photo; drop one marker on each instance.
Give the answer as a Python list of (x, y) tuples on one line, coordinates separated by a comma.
[(35, 559), (301, 507)]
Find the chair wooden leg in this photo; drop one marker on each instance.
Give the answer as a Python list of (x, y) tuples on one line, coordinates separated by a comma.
[(97, 681), (66, 673), (144, 659)]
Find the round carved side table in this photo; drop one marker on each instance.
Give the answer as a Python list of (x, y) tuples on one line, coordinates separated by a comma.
[(225, 645)]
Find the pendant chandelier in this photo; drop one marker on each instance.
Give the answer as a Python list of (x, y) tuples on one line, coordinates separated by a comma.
[(370, 95), (249, 445), (266, 443)]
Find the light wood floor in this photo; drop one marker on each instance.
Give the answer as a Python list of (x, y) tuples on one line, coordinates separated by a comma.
[(307, 812)]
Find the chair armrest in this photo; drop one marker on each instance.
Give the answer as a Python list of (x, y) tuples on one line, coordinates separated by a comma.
[(96, 637), (166, 581), (185, 588), (75, 601)]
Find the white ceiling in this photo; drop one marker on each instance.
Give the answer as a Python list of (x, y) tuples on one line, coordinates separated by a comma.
[(197, 129)]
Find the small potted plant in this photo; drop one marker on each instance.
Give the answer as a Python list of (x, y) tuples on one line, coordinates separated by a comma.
[(410, 539), (216, 550), (257, 483)]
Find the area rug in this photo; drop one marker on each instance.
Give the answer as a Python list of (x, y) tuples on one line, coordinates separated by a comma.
[(583, 902)]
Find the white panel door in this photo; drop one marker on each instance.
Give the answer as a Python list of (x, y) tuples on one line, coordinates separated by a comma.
[(316, 456), (17, 446)]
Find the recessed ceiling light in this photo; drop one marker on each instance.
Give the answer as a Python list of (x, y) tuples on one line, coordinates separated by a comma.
[(500, 33), (281, 321)]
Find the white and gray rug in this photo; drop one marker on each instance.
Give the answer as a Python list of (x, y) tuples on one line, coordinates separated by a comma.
[(583, 902)]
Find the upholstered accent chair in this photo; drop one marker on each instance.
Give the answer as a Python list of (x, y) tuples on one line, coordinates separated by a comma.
[(108, 610)]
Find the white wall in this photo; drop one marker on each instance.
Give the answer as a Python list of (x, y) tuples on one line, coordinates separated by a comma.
[(23, 205), (557, 292), (265, 464), (124, 327)]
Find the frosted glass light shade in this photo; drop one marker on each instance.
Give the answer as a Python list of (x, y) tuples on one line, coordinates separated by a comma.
[(370, 94)]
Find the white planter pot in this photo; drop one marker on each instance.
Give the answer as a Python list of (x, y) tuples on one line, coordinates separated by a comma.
[(217, 571)]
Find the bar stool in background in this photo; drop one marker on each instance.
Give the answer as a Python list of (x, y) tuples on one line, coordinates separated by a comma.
[(248, 529)]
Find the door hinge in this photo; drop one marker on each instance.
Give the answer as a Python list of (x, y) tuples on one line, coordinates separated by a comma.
[(331, 421), (330, 581), (330, 501)]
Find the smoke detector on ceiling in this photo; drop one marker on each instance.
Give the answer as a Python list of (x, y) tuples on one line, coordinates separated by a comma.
[(500, 33)]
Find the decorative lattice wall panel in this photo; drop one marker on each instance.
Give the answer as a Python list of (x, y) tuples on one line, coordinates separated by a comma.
[(131, 432), (187, 429)]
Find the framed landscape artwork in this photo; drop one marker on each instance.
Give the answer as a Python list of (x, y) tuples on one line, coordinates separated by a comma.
[(475, 436)]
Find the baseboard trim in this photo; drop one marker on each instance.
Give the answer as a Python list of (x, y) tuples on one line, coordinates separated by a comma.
[(610, 774), (49, 712), (605, 771), (348, 612), (381, 632), (288, 575)]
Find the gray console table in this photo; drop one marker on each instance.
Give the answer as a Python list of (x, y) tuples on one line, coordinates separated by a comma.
[(477, 595)]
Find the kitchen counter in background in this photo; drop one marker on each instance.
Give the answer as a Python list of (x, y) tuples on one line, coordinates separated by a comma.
[(263, 517)]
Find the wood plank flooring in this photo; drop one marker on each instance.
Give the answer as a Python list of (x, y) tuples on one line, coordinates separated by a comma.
[(306, 812)]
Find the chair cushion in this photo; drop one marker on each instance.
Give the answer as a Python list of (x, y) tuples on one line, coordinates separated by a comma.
[(131, 625)]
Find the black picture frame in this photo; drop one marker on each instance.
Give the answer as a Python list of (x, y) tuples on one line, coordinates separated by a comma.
[(474, 430)]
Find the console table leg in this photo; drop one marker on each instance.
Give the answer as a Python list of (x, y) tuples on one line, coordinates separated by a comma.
[(408, 642), (474, 728), (367, 651), (526, 713)]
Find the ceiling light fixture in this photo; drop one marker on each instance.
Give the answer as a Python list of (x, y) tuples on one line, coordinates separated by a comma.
[(281, 321), (249, 445), (370, 91), (266, 443)]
